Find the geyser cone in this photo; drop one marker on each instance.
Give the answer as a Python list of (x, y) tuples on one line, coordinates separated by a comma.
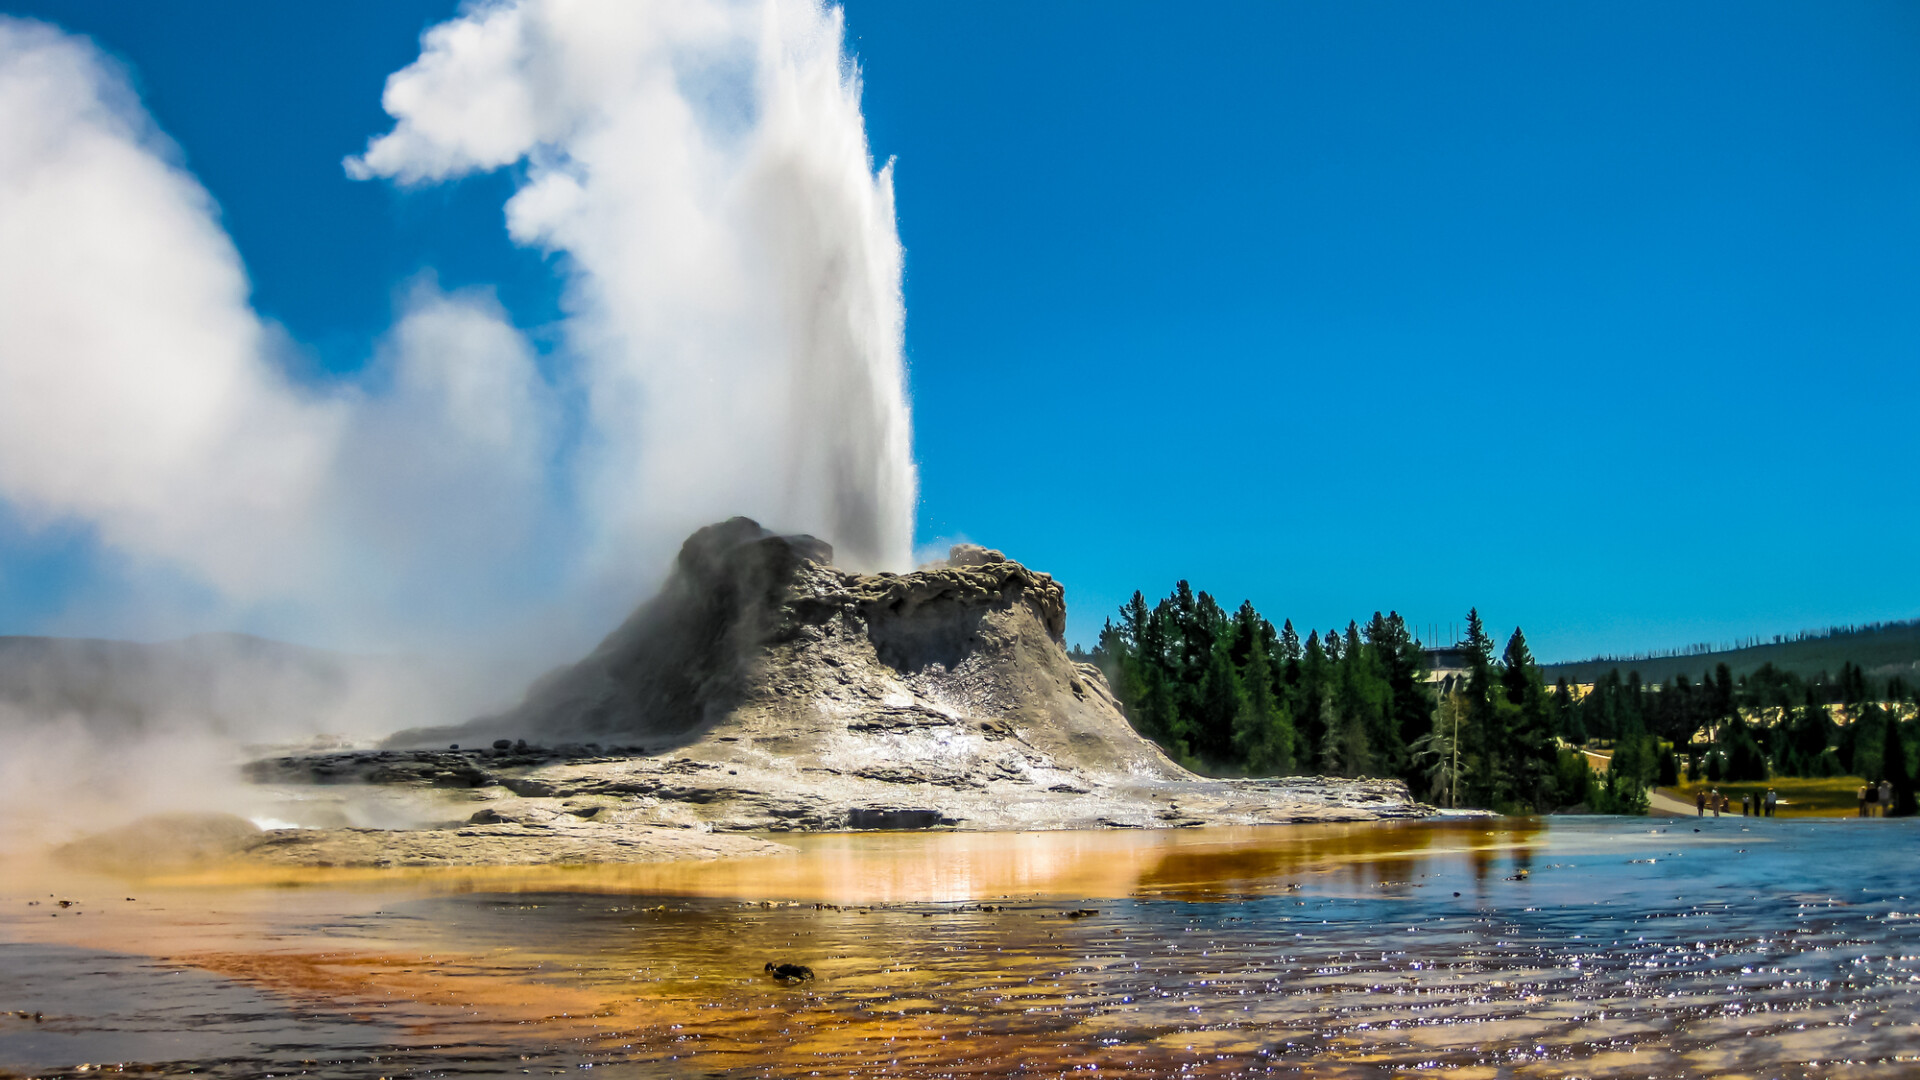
[(686, 658), (764, 688), (754, 629)]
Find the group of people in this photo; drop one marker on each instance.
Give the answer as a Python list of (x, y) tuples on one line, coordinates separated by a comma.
[(1876, 800), (1751, 805)]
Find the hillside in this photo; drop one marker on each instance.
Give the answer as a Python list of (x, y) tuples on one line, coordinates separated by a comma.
[(230, 685), (1882, 650)]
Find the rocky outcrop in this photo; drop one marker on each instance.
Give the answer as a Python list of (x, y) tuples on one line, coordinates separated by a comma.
[(566, 842), (766, 689)]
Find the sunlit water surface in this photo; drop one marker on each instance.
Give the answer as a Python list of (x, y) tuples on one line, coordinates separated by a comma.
[(1584, 947)]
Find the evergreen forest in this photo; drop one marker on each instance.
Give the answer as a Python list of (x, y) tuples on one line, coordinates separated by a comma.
[(1228, 694), (1755, 727)]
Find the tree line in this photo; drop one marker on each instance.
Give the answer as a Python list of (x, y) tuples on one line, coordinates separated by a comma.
[(1228, 693), (1764, 724)]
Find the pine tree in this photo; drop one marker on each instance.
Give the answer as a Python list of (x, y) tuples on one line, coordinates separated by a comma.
[(1530, 756), (1310, 700), (1853, 685), (1893, 766), (1221, 700), (1517, 668), (1864, 740), (1723, 699), (1244, 631), (1289, 653), (1669, 769), (1263, 733), (1633, 705), (1361, 701), (1133, 619), (1478, 642), (1566, 715), (1289, 643), (1481, 735), (1402, 662)]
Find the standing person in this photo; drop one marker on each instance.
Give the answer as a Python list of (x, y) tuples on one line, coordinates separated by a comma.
[(1746, 804), (1771, 800), (1700, 803), (1717, 800), (1886, 797), (1861, 794)]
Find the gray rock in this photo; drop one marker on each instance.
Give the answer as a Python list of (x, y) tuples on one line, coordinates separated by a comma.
[(778, 692)]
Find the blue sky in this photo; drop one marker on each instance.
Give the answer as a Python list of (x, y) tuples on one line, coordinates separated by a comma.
[(1604, 318)]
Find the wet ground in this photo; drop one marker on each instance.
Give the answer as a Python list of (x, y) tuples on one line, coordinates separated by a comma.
[(1577, 947)]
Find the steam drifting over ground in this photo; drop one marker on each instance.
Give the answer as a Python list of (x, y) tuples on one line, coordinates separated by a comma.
[(732, 344)]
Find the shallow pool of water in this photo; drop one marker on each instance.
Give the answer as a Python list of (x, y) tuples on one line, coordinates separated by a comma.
[(1575, 947)]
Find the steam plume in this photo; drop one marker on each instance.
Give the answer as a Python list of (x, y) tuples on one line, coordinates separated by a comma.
[(732, 343), (735, 270), (732, 283)]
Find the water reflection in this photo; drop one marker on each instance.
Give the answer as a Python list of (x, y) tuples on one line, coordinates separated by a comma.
[(1787, 948)]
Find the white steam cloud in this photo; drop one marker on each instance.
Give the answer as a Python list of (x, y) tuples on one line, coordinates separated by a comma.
[(732, 344), (136, 388)]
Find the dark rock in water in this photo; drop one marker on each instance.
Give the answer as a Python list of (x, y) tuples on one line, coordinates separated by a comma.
[(879, 817), (780, 693), (503, 744)]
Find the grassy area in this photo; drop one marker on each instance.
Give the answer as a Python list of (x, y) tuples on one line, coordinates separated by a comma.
[(1831, 796)]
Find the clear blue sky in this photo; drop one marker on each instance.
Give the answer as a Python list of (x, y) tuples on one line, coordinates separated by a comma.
[(1603, 317)]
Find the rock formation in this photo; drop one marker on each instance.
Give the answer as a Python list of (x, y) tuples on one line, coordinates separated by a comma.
[(763, 688)]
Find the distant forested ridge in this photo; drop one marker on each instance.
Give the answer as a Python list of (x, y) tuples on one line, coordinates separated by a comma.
[(1883, 650), (1823, 703), (1229, 694)]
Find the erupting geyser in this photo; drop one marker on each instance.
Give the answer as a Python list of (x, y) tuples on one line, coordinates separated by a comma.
[(735, 269), (765, 688), (731, 342)]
